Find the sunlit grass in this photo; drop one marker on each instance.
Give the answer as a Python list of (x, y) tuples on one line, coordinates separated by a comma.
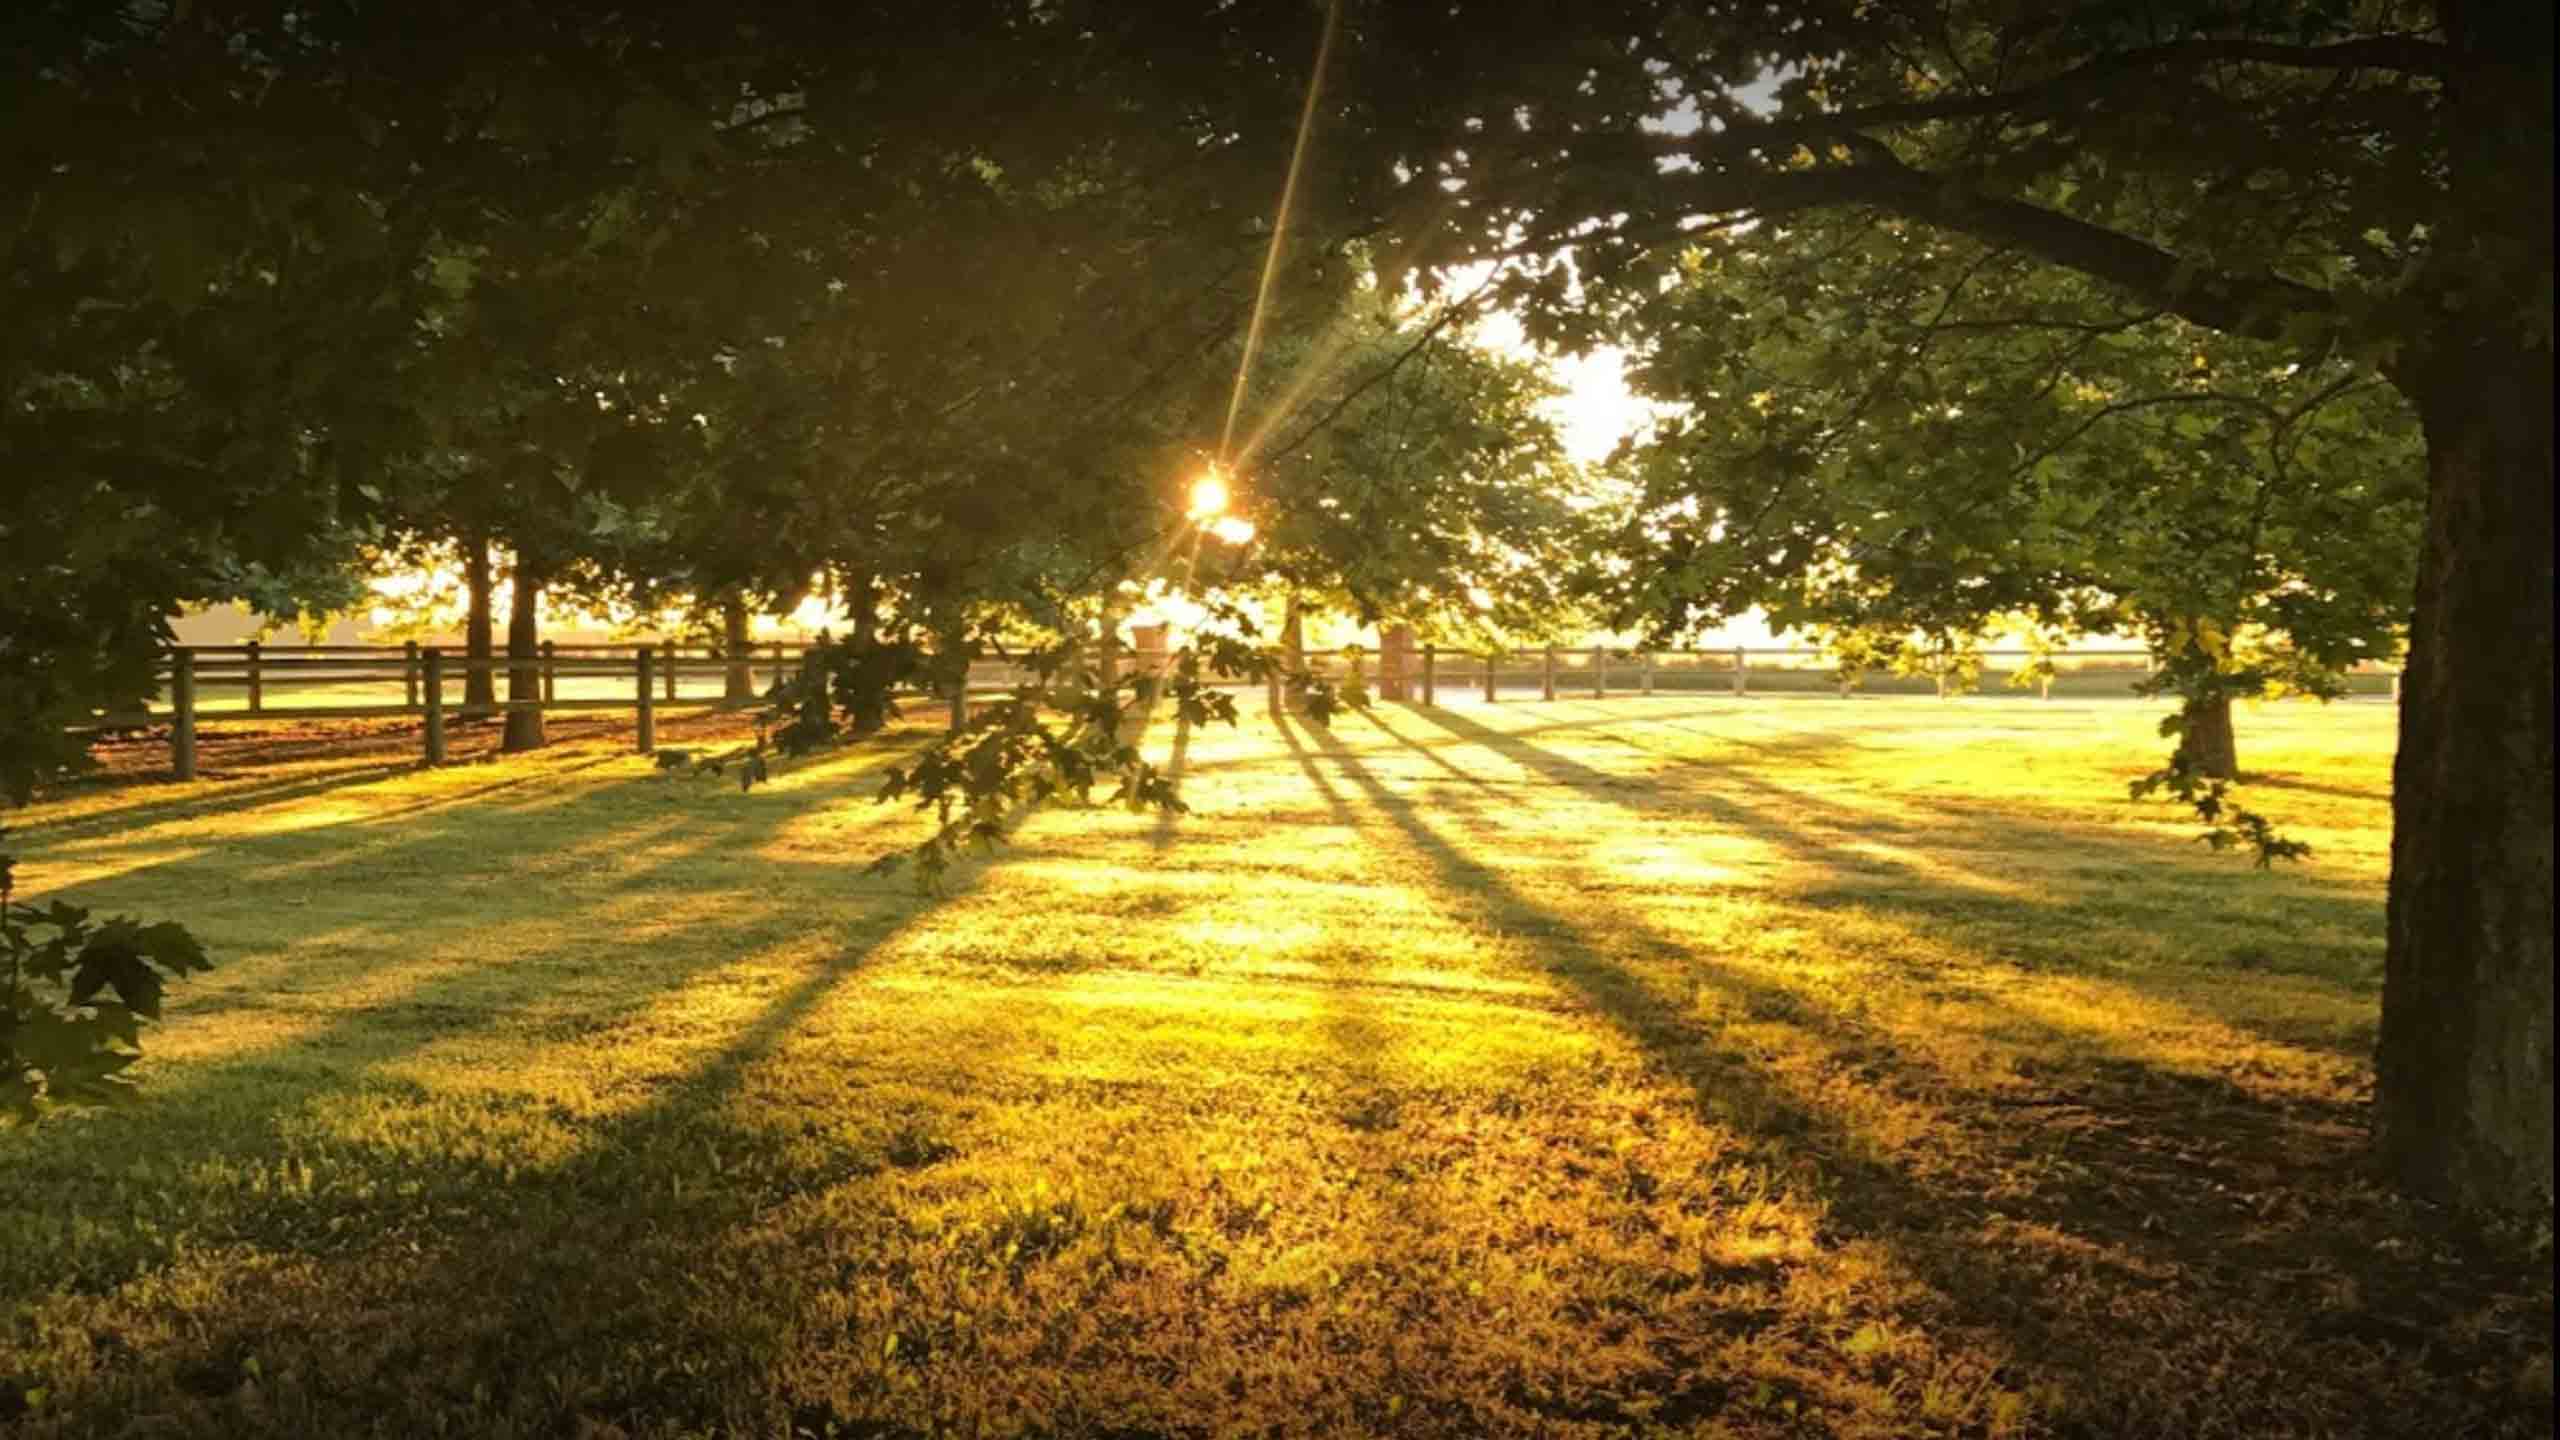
[(1775, 1067)]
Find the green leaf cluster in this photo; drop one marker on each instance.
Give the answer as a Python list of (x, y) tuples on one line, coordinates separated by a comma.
[(75, 992)]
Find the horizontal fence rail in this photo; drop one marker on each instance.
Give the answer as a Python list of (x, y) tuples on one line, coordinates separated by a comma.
[(334, 682)]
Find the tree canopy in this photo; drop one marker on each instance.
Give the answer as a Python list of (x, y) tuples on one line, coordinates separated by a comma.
[(1880, 425)]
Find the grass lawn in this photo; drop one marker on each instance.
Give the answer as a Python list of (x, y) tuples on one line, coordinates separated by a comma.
[(1683, 1066)]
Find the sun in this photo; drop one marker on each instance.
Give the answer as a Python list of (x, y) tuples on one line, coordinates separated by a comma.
[(1209, 495)]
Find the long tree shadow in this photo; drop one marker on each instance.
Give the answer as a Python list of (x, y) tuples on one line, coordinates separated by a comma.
[(2142, 1194), (509, 1243), (198, 802), (1249, 762), (335, 1021), (1967, 876), (568, 1280), (2275, 780), (535, 1237)]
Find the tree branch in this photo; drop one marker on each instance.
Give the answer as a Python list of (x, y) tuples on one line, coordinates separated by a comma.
[(1421, 342), (2257, 306), (2072, 89)]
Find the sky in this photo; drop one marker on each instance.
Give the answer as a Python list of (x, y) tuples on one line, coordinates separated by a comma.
[(1594, 412)]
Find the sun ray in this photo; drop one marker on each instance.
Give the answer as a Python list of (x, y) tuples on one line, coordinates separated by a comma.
[(1280, 225)]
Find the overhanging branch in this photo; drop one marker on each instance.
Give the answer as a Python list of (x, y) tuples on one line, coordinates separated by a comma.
[(2257, 306), (2077, 88)]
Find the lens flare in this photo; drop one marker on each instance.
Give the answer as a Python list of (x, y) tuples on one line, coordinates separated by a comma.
[(1209, 496), (1233, 529)]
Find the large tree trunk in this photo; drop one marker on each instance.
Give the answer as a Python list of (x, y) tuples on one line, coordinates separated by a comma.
[(2465, 1060), (524, 654), (479, 682), (2464, 1095), (2208, 744), (740, 684)]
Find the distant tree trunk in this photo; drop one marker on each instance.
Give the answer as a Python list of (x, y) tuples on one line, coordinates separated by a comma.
[(1395, 662), (1107, 638), (479, 682), (862, 602), (524, 654), (875, 674), (740, 684), (1293, 635), (2463, 1099), (2208, 743), (1293, 648)]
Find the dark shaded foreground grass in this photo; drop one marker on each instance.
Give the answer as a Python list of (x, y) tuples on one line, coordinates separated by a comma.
[(1670, 1067)]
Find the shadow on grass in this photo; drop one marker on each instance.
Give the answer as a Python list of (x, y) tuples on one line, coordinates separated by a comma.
[(2237, 1199), (562, 1284), (2262, 780), (502, 958), (572, 1289), (208, 800), (2046, 929)]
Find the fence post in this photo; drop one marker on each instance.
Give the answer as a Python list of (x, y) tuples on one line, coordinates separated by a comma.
[(435, 705), (646, 741), (257, 681), (409, 670), (1431, 674), (1599, 672), (182, 721), (675, 653), (1644, 663), (1547, 675), (1492, 659), (1741, 670), (550, 674)]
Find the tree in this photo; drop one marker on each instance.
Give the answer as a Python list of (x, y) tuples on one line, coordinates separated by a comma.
[(175, 422), (2367, 179), (1880, 425), (1408, 476)]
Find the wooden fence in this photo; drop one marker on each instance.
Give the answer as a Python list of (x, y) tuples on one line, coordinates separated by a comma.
[(1418, 675), (310, 681)]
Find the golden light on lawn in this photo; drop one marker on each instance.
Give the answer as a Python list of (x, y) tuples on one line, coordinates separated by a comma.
[(1433, 1036)]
